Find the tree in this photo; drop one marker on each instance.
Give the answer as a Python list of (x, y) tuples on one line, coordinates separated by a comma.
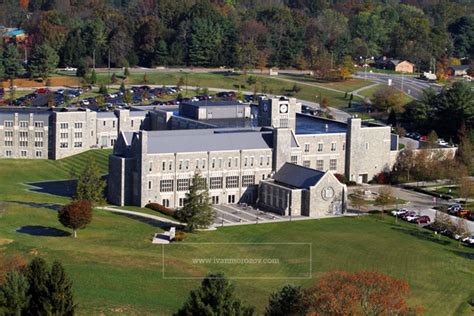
[(465, 153), (251, 80), (60, 291), (122, 86), (359, 293), (43, 61), (90, 185), (93, 77), (180, 82), (12, 263), (442, 222), (37, 276), (11, 62), (215, 296), (286, 301), (388, 98), (197, 211), (103, 89), (392, 118), (113, 79), (466, 188), (432, 139), (76, 215), (460, 230), (13, 294), (127, 97), (126, 72), (462, 31), (385, 197)]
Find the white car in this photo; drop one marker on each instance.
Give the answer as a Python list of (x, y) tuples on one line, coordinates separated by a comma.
[(469, 240), (411, 218), (399, 212), (70, 69), (442, 142), (85, 102)]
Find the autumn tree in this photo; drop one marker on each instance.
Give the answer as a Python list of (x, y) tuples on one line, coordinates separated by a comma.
[(465, 152), (14, 262), (460, 230), (359, 293), (442, 222), (466, 188), (388, 98), (76, 215), (215, 296)]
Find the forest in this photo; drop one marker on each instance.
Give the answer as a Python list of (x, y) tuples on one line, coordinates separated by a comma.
[(304, 34)]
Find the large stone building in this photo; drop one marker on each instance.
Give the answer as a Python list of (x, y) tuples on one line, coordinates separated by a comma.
[(38, 133), (250, 164)]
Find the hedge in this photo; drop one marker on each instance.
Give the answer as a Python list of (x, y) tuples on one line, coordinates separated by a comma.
[(160, 208)]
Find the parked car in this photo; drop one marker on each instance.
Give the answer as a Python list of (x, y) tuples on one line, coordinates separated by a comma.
[(453, 209), (447, 232), (442, 142), (42, 90), (70, 69), (423, 138), (411, 218), (469, 240), (399, 212), (422, 220), (407, 213), (463, 213)]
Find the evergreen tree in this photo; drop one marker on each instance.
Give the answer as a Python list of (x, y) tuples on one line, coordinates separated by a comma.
[(122, 86), (465, 152), (82, 69), (43, 61), (90, 185), (113, 79), (161, 53), (60, 291), (197, 211), (126, 72), (37, 276), (287, 301), (102, 89), (216, 297), (93, 78), (13, 297), (11, 62)]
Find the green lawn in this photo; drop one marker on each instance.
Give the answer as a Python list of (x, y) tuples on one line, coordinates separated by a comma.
[(116, 269), (346, 86)]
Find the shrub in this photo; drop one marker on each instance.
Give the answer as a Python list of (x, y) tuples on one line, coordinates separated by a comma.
[(341, 178), (351, 183), (179, 236), (381, 178), (161, 209)]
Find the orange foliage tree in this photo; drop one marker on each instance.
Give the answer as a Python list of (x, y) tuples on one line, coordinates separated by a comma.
[(359, 293), (14, 262), (76, 215), (24, 4)]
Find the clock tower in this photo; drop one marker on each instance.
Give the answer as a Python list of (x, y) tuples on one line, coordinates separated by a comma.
[(277, 112)]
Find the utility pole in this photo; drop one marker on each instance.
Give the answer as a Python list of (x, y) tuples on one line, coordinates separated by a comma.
[(109, 67)]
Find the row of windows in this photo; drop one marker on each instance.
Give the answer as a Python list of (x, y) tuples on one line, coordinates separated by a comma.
[(23, 135), (23, 153), (23, 143), (24, 124), (214, 183), (320, 147), (320, 164), (214, 163)]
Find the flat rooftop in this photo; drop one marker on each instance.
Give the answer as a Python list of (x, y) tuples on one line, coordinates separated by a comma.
[(211, 103), (307, 124)]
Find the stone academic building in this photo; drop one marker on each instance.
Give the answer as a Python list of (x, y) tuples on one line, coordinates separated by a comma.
[(271, 155)]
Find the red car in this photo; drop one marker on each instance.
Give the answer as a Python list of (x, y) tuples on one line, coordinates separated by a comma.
[(424, 138), (422, 220), (42, 90)]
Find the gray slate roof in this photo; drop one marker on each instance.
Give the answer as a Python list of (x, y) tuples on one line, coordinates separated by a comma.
[(298, 176), (214, 103), (207, 140)]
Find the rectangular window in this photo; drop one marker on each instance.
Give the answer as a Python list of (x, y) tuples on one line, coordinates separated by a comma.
[(366, 146), (320, 165), (64, 125), (186, 164), (215, 183), (105, 123), (246, 160), (38, 144), (23, 153), (251, 161), (307, 163), (236, 162), (181, 202), (150, 166), (229, 163), (163, 165), (8, 134), (8, 123), (8, 153), (39, 134), (294, 159), (261, 161), (231, 199), (248, 180), (77, 125), (165, 202), (333, 164), (113, 124), (343, 146), (77, 135), (77, 144), (306, 148), (39, 124), (23, 123), (180, 165), (131, 123), (333, 146), (8, 143), (213, 163), (39, 154), (166, 186), (320, 147), (215, 199), (183, 184), (220, 163), (63, 145), (63, 135), (170, 166), (284, 122), (268, 160), (232, 182)]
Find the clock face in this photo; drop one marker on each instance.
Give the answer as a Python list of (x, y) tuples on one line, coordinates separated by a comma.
[(327, 193), (283, 108), (265, 107)]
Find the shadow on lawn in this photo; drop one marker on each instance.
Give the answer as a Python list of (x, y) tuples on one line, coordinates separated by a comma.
[(464, 254), (421, 234), (42, 231), (50, 206), (65, 188), (154, 223)]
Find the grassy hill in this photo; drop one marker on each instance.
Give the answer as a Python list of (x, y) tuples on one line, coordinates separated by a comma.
[(116, 269)]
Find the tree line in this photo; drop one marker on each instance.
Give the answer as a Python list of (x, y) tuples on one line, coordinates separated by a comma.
[(245, 34)]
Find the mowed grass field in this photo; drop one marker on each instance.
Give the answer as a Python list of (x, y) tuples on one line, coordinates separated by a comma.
[(116, 269)]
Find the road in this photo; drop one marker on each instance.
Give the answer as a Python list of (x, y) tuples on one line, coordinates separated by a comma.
[(410, 85)]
